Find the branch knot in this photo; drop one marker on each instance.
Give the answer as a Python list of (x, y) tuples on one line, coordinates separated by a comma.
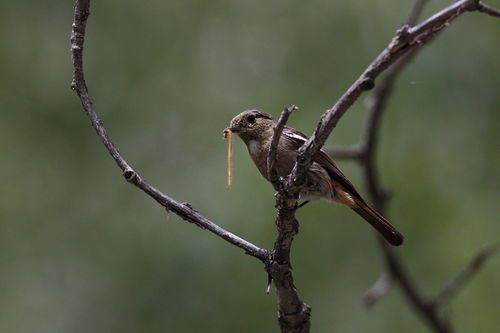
[(129, 175)]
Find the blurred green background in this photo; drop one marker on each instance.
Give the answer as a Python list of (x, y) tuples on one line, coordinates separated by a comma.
[(83, 251)]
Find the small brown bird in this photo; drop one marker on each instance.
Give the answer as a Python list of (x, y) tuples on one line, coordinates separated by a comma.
[(324, 180)]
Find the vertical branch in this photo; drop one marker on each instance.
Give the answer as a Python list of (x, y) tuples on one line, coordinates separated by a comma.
[(272, 156), (294, 314)]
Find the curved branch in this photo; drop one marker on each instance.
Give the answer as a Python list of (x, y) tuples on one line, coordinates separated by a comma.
[(365, 154), (183, 210), (406, 39), (294, 314)]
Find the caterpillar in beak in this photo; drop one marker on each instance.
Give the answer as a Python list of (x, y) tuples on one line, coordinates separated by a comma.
[(229, 134)]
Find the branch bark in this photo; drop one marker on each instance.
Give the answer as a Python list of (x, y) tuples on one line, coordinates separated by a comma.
[(183, 210), (294, 313)]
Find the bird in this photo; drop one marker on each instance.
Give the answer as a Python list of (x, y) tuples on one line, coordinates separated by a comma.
[(324, 180)]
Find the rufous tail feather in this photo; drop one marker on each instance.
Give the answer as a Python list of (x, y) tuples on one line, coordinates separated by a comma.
[(379, 223)]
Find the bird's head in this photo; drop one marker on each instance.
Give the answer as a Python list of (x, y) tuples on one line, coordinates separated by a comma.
[(250, 125)]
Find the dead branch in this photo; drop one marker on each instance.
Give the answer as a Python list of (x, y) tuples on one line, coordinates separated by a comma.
[(271, 158), (294, 314), (364, 153), (458, 282), (183, 210), (406, 39)]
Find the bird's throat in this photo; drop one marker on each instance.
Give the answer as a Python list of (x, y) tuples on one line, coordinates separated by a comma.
[(254, 147)]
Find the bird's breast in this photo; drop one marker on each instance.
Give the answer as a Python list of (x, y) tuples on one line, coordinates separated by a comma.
[(254, 147)]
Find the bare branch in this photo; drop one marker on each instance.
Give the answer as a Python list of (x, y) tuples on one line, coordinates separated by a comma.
[(458, 282), (377, 105), (379, 289), (352, 152), (271, 157), (294, 314), (415, 11), (484, 8), (405, 40), (185, 211), (378, 194), (422, 307), (365, 154)]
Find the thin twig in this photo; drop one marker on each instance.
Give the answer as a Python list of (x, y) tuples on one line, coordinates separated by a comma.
[(458, 282), (351, 152), (415, 12), (484, 8), (271, 157), (422, 307), (378, 289), (185, 211)]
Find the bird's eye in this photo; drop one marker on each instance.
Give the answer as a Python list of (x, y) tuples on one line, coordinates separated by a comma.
[(251, 119)]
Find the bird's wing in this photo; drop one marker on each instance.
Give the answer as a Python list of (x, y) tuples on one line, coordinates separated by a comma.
[(326, 162), (296, 139)]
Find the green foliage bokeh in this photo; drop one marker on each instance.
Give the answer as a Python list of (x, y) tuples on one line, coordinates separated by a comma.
[(83, 251)]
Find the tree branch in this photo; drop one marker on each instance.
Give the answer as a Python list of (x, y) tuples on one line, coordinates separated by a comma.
[(379, 289), (365, 154), (271, 157), (294, 314), (351, 152), (422, 307), (183, 210), (415, 11), (406, 39), (484, 8), (458, 282)]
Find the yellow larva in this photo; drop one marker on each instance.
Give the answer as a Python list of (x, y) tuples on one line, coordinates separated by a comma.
[(228, 133)]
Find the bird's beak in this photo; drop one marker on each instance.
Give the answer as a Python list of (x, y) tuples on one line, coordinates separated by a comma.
[(234, 129)]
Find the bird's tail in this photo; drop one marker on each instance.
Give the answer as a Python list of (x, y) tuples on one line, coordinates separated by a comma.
[(378, 222)]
